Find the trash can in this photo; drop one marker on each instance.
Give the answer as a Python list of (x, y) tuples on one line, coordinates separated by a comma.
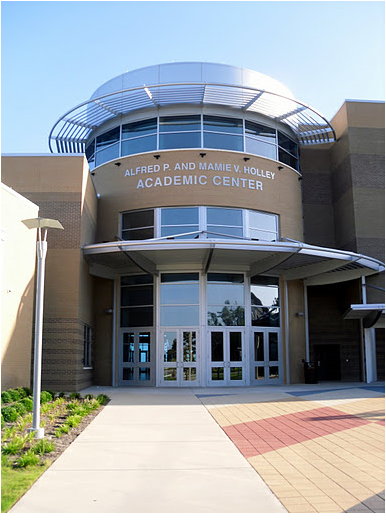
[(310, 373)]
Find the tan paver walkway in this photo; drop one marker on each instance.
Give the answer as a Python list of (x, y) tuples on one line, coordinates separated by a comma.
[(319, 451)]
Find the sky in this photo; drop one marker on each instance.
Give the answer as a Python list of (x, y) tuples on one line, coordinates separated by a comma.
[(54, 55)]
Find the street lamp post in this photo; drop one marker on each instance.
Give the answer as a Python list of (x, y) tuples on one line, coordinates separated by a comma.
[(41, 252)]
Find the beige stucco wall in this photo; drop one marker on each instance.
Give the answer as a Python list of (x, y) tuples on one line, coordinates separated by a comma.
[(179, 178), (18, 258)]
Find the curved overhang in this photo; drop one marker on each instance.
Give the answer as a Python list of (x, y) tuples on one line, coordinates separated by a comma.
[(372, 314), (290, 260), (246, 91)]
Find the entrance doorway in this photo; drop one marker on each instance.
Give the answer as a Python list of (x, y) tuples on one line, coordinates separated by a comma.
[(266, 362), (180, 352), (226, 357), (136, 358), (328, 362)]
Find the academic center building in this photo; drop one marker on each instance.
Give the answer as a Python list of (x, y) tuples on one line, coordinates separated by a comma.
[(217, 233)]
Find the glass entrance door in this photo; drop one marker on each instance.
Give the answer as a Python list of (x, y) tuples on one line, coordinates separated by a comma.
[(136, 358), (180, 357), (266, 363), (226, 357)]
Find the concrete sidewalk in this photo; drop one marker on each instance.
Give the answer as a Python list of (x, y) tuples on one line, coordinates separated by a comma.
[(151, 451)]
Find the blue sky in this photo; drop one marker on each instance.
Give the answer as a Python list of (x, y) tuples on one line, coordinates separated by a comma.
[(55, 54)]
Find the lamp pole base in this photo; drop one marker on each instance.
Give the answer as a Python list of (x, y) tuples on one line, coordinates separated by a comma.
[(39, 432)]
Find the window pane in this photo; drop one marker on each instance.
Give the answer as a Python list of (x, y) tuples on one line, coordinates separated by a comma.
[(217, 374), (226, 316), (179, 123), (137, 279), (173, 216), (259, 346), (139, 145), (127, 374), (170, 347), (137, 317), (189, 347), (138, 234), (183, 140), (170, 374), (90, 150), (135, 296), (144, 374), (264, 295), (236, 373), (286, 158), (177, 316), (217, 231), (225, 294), (274, 372), (259, 373), (265, 280), (288, 145), (110, 137), (260, 148), (226, 278), (108, 154), (189, 374), (138, 219), (235, 346), (144, 347), (217, 346), (273, 347), (168, 231), (179, 277), (128, 347), (223, 141), (225, 217), (179, 293), (265, 317), (262, 221), (265, 236), (223, 124), (262, 132), (138, 128)]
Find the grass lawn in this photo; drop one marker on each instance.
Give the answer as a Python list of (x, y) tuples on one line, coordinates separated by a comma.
[(15, 482)]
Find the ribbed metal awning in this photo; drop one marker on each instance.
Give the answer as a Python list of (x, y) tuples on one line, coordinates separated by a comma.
[(291, 260), (71, 131)]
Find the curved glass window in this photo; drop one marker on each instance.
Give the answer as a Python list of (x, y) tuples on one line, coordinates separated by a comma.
[(137, 301), (199, 222), (265, 305), (180, 298), (193, 131), (225, 294)]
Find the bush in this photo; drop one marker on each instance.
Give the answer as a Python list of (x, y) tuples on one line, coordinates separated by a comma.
[(21, 392), (29, 458), (61, 394), (73, 420), (2, 421), (14, 394), (20, 408), (45, 397), (52, 393), (14, 446), (43, 446), (103, 398), (89, 396), (28, 403), (75, 395), (5, 397), (9, 414), (28, 391)]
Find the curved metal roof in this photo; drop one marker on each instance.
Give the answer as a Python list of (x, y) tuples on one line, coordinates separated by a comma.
[(290, 259), (196, 84)]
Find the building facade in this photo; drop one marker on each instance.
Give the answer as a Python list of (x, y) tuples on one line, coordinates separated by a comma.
[(217, 232)]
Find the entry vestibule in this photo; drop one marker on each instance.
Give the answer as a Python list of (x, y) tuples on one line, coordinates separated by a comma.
[(199, 330)]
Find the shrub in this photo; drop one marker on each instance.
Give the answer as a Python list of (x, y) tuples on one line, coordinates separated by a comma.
[(73, 420), (20, 408), (2, 422), (28, 403), (29, 458), (16, 444), (103, 398), (89, 396), (9, 414), (52, 393), (45, 397), (14, 394), (28, 391), (21, 392), (43, 446), (62, 394), (75, 395), (5, 397)]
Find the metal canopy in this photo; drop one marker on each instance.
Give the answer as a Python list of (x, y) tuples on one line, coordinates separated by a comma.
[(372, 314), (72, 130), (291, 260)]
